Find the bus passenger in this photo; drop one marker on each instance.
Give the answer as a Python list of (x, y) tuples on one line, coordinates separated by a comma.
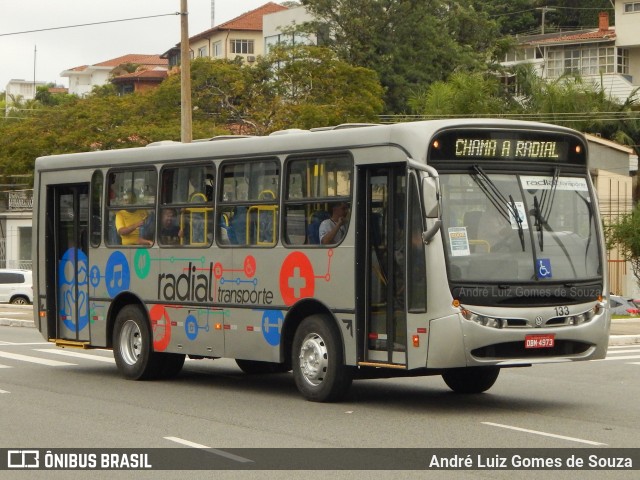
[(334, 228), (130, 222), (170, 232)]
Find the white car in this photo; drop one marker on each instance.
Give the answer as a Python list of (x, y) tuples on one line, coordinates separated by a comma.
[(16, 286)]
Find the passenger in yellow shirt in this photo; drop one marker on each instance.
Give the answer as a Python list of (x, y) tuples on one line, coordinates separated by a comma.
[(128, 225)]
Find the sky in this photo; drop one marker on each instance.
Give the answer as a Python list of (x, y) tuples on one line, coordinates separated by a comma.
[(54, 51)]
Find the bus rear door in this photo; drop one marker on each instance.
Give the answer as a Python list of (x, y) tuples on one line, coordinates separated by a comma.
[(67, 262)]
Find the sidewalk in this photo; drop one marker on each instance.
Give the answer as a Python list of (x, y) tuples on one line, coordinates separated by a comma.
[(624, 331)]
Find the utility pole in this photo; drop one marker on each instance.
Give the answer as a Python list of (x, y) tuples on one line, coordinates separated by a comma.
[(213, 13), (186, 133), (544, 13)]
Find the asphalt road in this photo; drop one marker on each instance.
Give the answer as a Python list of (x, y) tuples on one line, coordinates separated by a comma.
[(57, 398)]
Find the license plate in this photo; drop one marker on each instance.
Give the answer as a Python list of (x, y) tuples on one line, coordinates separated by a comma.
[(539, 341)]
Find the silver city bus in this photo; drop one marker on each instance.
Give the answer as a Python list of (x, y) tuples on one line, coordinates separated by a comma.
[(451, 248)]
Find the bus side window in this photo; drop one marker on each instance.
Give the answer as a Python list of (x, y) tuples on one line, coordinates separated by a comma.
[(314, 186), (187, 190)]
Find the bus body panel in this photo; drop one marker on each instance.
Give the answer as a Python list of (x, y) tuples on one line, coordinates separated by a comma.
[(223, 301)]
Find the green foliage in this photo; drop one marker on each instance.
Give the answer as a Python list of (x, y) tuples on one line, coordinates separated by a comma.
[(625, 235), (463, 94), (409, 43), (310, 88)]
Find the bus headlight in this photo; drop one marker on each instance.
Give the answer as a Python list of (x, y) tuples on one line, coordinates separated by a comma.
[(482, 319)]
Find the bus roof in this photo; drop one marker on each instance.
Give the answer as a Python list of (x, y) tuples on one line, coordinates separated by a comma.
[(413, 137)]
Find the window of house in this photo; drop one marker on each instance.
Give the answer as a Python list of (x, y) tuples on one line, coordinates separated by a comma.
[(623, 60), (202, 51), (606, 59), (217, 49), (572, 60), (242, 47), (589, 61), (632, 7), (555, 63)]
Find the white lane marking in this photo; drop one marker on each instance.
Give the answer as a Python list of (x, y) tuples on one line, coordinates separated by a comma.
[(14, 344), (544, 434), (42, 361), (616, 352), (230, 456), (634, 363), (67, 353), (4, 391), (623, 357), (5, 366)]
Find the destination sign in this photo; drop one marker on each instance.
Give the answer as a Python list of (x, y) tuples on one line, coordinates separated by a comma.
[(507, 145), (476, 147)]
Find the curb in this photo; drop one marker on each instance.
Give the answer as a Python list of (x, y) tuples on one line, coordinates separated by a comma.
[(10, 322), (617, 340)]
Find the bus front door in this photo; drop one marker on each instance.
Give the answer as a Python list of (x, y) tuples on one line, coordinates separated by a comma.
[(383, 231), (68, 261)]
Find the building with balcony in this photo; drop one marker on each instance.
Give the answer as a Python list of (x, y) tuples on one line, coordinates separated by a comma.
[(606, 56)]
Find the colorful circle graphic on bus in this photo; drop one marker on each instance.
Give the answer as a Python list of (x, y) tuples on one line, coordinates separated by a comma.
[(249, 266), (272, 326), (297, 279), (191, 327), (142, 262), (117, 274), (73, 281), (161, 326)]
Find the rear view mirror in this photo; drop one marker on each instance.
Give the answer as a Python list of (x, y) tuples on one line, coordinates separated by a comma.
[(431, 196)]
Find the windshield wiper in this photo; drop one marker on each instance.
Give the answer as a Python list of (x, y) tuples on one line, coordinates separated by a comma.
[(539, 222), (498, 200), (518, 220), (542, 208)]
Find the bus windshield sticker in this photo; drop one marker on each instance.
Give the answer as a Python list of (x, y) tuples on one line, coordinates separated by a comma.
[(459, 241), (532, 183), (521, 213)]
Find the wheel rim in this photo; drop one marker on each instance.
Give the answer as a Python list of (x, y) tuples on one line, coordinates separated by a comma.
[(314, 359), (20, 301), (130, 342)]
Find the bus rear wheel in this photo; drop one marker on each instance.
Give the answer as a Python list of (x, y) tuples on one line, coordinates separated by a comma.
[(133, 346), (471, 379), (317, 361)]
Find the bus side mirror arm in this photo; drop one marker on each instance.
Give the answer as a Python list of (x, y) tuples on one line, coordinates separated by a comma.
[(430, 233)]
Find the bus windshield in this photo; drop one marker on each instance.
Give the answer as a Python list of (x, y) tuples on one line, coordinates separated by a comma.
[(516, 228)]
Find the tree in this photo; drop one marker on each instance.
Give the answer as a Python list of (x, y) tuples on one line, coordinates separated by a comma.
[(463, 94), (304, 87), (409, 43), (625, 235)]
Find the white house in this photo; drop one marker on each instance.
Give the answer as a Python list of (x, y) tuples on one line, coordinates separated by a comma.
[(608, 56), (82, 79)]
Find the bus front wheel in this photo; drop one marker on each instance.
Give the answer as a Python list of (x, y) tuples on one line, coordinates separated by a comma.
[(132, 345), (471, 379), (317, 361)]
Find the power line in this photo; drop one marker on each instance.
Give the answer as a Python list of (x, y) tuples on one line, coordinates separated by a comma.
[(88, 24)]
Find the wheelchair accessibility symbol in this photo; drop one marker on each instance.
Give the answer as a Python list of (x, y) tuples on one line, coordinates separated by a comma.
[(544, 268)]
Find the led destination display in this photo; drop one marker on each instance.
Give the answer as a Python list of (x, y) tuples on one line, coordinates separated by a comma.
[(519, 146)]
